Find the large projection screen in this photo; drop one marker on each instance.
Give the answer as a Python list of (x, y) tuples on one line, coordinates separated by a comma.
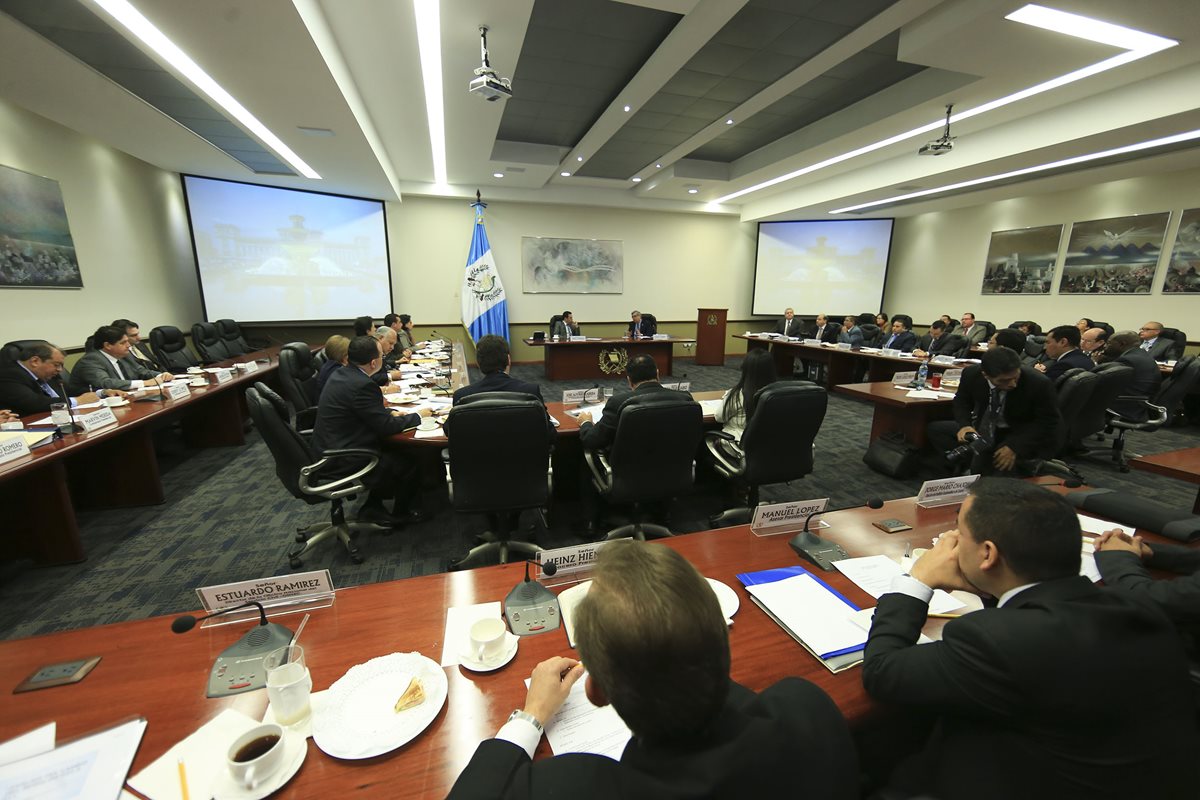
[(265, 254), (834, 267)]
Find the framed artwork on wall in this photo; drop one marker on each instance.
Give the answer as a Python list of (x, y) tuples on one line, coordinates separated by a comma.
[(36, 249), (1021, 261), (1114, 256), (572, 266), (1183, 270)]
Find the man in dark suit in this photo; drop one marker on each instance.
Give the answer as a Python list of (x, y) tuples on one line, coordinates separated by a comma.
[(139, 354), (565, 328), (938, 342), (1153, 342), (351, 414), (789, 325), (656, 647), (492, 356), (109, 366), (639, 327), (1062, 346), (642, 374), (1012, 407), (1124, 348), (1023, 693), (901, 338), (30, 384), (823, 330)]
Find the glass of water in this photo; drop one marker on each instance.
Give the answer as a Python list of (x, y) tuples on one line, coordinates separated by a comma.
[(289, 684)]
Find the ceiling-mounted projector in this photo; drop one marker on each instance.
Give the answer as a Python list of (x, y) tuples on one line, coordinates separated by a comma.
[(488, 84), (942, 145)]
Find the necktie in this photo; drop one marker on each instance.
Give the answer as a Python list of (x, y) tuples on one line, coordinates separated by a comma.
[(1145, 345), (123, 368), (891, 338), (786, 324), (48, 389)]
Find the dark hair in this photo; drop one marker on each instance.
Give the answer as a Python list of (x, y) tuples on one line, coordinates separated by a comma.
[(363, 326), (758, 370), (1088, 321), (999, 361), (937, 324), (866, 318), (405, 319), (903, 319), (969, 314), (363, 350), (491, 353), (654, 640), (1035, 529), (43, 350), (1069, 332), (566, 313), (880, 314), (107, 334), (641, 368), (388, 319), (125, 324), (1011, 338)]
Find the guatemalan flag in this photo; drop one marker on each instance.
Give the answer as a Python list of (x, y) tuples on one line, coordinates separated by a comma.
[(484, 306)]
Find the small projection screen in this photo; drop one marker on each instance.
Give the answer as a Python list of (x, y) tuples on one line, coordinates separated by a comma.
[(265, 254), (834, 267)]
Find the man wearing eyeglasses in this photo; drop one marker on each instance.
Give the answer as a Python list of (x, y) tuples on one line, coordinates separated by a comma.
[(1093, 342), (30, 384), (1154, 343)]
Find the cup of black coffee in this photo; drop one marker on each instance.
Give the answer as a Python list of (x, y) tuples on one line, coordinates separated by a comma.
[(256, 755)]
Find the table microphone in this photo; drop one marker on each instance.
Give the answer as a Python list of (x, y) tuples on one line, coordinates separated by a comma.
[(239, 668), (822, 552), (531, 608)]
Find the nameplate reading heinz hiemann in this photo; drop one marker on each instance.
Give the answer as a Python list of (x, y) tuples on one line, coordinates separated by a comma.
[(569, 560), (945, 492), (772, 518), (302, 587)]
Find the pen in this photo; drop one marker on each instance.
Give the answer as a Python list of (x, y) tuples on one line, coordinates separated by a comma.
[(183, 786), (943, 616)]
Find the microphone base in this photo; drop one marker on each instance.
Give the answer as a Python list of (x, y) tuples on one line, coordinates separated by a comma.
[(240, 667), (531, 608), (817, 550)]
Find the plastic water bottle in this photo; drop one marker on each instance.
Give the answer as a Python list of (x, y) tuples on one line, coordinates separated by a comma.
[(922, 374)]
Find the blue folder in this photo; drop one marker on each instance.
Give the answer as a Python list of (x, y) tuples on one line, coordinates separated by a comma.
[(783, 573)]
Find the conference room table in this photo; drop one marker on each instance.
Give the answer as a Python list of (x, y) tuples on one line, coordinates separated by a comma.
[(116, 466), (895, 412), (602, 358), (842, 365), (1183, 465)]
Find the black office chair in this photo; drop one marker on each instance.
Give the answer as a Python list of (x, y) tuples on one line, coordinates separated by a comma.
[(1184, 378), (1035, 350), (11, 352), (987, 326), (505, 429), (298, 376), (1180, 339), (170, 348), (872, 334), (776, 446), (1073, 389), (231, 337), (652, 321), (1091, 417), (209, 344), (956, 345), (297, 468), (652, 459), (1109, 330), (555, 319)]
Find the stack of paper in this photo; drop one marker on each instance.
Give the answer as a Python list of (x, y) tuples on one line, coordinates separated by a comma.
[(873, 574), (588, 409), (711, 407)]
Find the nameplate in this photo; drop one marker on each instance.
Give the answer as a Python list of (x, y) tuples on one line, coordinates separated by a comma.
[(844, 346), (578, 338), (581, 395), (569, 560), (661, 337), (178, 390), (890, 352), (952, 375), (95, 420), (13, 447), (904, 377), (773, 518), (945, 491), (813, 342), (15, 425), (942, 360), (681, 386), (224, 376), (301, 587), (251, 366)]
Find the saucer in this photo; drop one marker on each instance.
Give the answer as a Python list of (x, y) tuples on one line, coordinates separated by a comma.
[(295, 750), (428, 425), (482, 666)]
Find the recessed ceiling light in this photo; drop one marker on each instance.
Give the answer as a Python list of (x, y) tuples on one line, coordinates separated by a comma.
[(729, 121), (693, 190), (658, 166), (156, 40), (636, 180), (429, 41), (627, 109), (565, 174), (497, 174), (579, 158)]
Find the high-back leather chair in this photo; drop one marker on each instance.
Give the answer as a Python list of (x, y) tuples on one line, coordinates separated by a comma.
[(872, 334), (1183, 379), (1104, 326), (1180, 339), (652, 458), (170, 348), (1091, 416), (231, 336), (12, 350), (297, 468), (478, 428), (1035, 349), (297, 376), (990, 327), (208, 343), (1073, 389), (776, 445)]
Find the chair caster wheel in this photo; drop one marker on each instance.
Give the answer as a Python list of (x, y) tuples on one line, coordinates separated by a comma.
[(295, 563), (356, 558), (300, 537)]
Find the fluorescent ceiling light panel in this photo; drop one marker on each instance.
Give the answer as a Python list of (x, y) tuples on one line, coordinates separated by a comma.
[(1137, 44), (133, 21), (429, 41), (1016, 173)]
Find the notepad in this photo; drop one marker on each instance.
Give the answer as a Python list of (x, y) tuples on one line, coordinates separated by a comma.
[(711, 407)]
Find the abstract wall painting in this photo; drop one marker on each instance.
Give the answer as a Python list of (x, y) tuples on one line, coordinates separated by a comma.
[(1183, 270), (572, 266), (1114, 256), (1022, 261), (36, 249)]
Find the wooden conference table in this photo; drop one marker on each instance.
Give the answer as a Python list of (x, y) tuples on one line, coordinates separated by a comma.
[(115, 467), (841, 365), (147, 670), (897, 413), (602, 358), (1183, 465)]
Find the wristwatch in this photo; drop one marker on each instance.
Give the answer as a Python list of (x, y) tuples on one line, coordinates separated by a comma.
[(525, 715)]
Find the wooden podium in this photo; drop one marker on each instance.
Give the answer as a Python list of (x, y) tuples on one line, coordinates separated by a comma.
[(710, 336)]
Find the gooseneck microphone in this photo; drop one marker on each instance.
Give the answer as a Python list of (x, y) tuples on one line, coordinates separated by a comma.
[(530, 607), (240, 668), (187, 621), (822, 552)]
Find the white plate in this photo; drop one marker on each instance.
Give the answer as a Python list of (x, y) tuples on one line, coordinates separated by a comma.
[(359, 718), (295, 751), (726, 597), (513, 641), (400, 398)]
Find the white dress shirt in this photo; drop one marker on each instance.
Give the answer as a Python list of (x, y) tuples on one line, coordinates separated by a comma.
[(117, 366)]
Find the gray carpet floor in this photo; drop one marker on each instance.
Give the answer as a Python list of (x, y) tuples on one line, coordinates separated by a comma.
[(227, 518)]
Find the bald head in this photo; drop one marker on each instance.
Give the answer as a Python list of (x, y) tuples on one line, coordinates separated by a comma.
[(1093, 339)]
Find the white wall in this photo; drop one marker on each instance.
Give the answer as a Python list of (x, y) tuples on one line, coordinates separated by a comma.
[(674, 263), (938, 258), (130, 231)]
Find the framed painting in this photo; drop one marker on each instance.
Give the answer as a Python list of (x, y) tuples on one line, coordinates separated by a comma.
[(571, 266), (1114, 256), (1183, 270), (36, 249), (1021, 261)]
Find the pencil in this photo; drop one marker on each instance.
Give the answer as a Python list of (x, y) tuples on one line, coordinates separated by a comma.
[(183, 789), (943, 616)]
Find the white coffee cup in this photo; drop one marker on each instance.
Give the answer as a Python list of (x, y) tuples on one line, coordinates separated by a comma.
[(488, 640), (194, 370), (427, 424), (251, 773), (426, 392)]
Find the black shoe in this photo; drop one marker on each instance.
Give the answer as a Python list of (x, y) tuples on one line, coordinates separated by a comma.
[(400, 519), (375, 515)]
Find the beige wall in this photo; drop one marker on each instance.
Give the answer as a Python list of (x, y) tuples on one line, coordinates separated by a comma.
[(130, 231), (938, 258)]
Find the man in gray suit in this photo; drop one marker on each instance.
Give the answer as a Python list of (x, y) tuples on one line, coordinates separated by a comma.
[(565, 328), (789, 325), (1154, 343), (109, 367), (974, 334)]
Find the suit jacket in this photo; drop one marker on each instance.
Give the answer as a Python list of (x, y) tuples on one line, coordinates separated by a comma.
[(1146, 380), (351, 413), (404, 341), (1178, 598), (830, 334), (1031, 411), (648, 328), (140, 354), (947, 344), (1025, 698), (976, 335), (1072, 359), (1163, 349), (498, 382), (323, 376), (851, 336), (21, 393), (749, 750), (564, 331), (600, 436), (795, 329), (95, 371), (904, 342)]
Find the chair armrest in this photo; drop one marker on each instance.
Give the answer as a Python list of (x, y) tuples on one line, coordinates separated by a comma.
[(719, 445), (597, 463), (343, 486), (306, 419)]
